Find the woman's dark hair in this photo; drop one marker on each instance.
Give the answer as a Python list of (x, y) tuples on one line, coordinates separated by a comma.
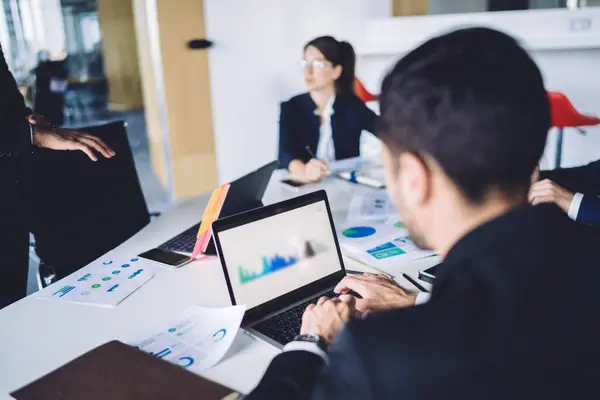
[(338, 53)]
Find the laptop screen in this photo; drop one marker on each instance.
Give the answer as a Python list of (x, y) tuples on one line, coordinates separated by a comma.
[(275, 255)]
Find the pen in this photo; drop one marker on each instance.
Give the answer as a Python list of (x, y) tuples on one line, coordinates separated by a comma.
[(310, 153), (415, 283)]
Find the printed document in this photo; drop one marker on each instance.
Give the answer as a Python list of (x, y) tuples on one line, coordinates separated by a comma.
[(105, 282), (196, 340)]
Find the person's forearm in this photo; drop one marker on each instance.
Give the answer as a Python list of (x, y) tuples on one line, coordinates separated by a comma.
[(296, 168), (576, 179)]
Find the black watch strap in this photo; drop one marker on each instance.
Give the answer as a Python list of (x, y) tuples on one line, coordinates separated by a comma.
[(313, 339)]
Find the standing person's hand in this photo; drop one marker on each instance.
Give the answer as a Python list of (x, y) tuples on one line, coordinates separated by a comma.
[(536, 175), (547, 191), (315, 170), (70, 139), (377, 291), (40, 121), (327, 318)]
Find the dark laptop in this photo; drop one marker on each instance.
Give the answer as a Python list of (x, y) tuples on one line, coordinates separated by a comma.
[(277, 260), (244, 194)]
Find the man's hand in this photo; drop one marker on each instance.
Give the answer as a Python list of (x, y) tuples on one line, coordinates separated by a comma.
[(70, 139), (378, 292), (314, 170), (327, 318), (547, 191)]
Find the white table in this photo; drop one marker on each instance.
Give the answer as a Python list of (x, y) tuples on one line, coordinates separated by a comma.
[(37, 336)]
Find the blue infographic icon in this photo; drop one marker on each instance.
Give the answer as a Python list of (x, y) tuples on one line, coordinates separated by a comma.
[(358, 232), (64, 290), (187, 361), (163, 353), (135, 259), (84, 278), (125, 266), (218, 335), (112, 289), (136, 273)]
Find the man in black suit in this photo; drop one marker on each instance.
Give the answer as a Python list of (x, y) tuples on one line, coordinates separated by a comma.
[(16, 143), (464, 121), (574, 190)]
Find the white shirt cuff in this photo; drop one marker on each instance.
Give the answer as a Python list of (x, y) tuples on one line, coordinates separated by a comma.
[(422, 297), (574, 207), (306, 346)]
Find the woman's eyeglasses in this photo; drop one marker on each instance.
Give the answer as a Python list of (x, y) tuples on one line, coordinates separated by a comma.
[(315, 64)]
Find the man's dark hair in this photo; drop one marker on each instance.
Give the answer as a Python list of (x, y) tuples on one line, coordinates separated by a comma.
[(474, 101)]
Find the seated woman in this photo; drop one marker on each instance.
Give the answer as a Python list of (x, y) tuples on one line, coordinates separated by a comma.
[(324, 124)]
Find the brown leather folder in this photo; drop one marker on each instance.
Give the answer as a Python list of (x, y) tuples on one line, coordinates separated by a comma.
[(117, 371)]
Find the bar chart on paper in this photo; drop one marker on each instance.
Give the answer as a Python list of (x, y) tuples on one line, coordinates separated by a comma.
[(63, 291)]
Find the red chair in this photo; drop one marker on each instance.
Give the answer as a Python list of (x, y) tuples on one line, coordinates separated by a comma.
[(564, 115), (362, 92)]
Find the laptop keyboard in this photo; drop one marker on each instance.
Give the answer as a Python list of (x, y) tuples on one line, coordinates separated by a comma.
[(285, 326), (184, 242)]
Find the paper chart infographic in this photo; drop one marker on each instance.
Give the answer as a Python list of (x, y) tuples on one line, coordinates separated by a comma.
[(106, 282), (381, 244), (196, 340)]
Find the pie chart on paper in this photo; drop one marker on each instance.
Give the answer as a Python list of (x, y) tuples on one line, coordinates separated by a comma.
[(359, 232)]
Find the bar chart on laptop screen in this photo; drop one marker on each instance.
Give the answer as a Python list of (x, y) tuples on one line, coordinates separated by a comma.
[(278, 254), (271, 264)]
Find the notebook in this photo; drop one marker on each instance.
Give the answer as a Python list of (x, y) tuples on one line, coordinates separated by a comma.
[(117, 371)]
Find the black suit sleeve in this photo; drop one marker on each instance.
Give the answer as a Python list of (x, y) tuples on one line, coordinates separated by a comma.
[(344, 377), (13, 126), (584, 179), (291, 376), (14, 99), (302, 375), (368, 119), (589, 210), (288, 146)]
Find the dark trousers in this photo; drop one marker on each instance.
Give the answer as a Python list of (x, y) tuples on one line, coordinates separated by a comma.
[(14, 233)]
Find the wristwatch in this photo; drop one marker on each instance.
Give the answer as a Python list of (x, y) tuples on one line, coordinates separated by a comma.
[(318, 340)]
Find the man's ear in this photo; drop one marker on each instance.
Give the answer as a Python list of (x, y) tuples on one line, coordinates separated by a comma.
[(416, 180)]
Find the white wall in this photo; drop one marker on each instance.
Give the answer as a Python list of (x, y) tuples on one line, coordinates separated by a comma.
[(43, 25), (255, 64), (569, 58)]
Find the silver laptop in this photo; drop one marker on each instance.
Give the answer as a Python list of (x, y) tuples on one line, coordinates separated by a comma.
[(278, 259)]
